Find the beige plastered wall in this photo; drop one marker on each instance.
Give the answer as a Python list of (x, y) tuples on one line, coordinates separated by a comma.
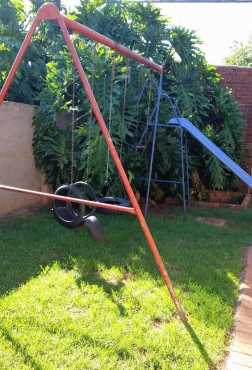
[(17, 166)]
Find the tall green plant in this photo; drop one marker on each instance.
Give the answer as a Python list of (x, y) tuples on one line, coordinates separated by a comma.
[(188, 79)]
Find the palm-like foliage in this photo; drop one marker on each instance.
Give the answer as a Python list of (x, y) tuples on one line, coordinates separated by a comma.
[(47, 76)]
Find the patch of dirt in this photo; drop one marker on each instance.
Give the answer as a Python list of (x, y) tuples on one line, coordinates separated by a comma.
[(142, 351), (158, 322), (127, 276), (74, 311), (113, 281), (219, 222)]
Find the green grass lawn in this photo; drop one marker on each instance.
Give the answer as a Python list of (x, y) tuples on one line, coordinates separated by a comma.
[(68, 302)]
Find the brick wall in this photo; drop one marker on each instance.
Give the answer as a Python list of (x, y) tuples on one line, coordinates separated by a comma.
[(239, 79)]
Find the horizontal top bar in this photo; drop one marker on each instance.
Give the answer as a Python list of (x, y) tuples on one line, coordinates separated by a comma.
[(90, 203), (96, 36)]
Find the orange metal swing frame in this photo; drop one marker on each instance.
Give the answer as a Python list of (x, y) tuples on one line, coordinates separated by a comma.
[(52, 13)]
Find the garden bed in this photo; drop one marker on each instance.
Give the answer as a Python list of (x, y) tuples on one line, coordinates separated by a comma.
[(216, 199), (227, 199)]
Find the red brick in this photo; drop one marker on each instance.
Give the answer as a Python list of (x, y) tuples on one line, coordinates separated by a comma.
[(241, 359), (241, 347), (240, 356)]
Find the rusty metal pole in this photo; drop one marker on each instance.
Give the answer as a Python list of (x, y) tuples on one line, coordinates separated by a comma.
[(90, 203), (45, 12), (98, 37), (149, 238), (51, 12), (19, 59)]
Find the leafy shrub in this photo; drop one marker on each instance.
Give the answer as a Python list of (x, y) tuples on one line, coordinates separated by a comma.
[(117, 84)]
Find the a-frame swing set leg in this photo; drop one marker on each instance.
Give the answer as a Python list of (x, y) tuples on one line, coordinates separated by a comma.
[(51, 12)]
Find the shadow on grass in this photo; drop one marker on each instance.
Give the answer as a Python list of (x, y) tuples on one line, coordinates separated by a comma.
[(190, 251), (109, 287), (29, 244), (200, 346), (122, 352), (19, 349)]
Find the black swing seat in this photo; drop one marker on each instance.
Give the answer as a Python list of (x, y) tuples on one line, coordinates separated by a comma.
[(112, 200), (73, 215), (94, 227), (66, 217), (66, 214)]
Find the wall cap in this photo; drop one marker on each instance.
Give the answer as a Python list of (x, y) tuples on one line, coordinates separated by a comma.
[(245, 68)]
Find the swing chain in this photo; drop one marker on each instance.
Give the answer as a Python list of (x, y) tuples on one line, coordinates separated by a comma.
[(110, 114), (140, 144), (91, 115), (72, 129), (126, 81)]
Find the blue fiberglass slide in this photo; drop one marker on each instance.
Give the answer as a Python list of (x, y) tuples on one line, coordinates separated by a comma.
[(214, 149)]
